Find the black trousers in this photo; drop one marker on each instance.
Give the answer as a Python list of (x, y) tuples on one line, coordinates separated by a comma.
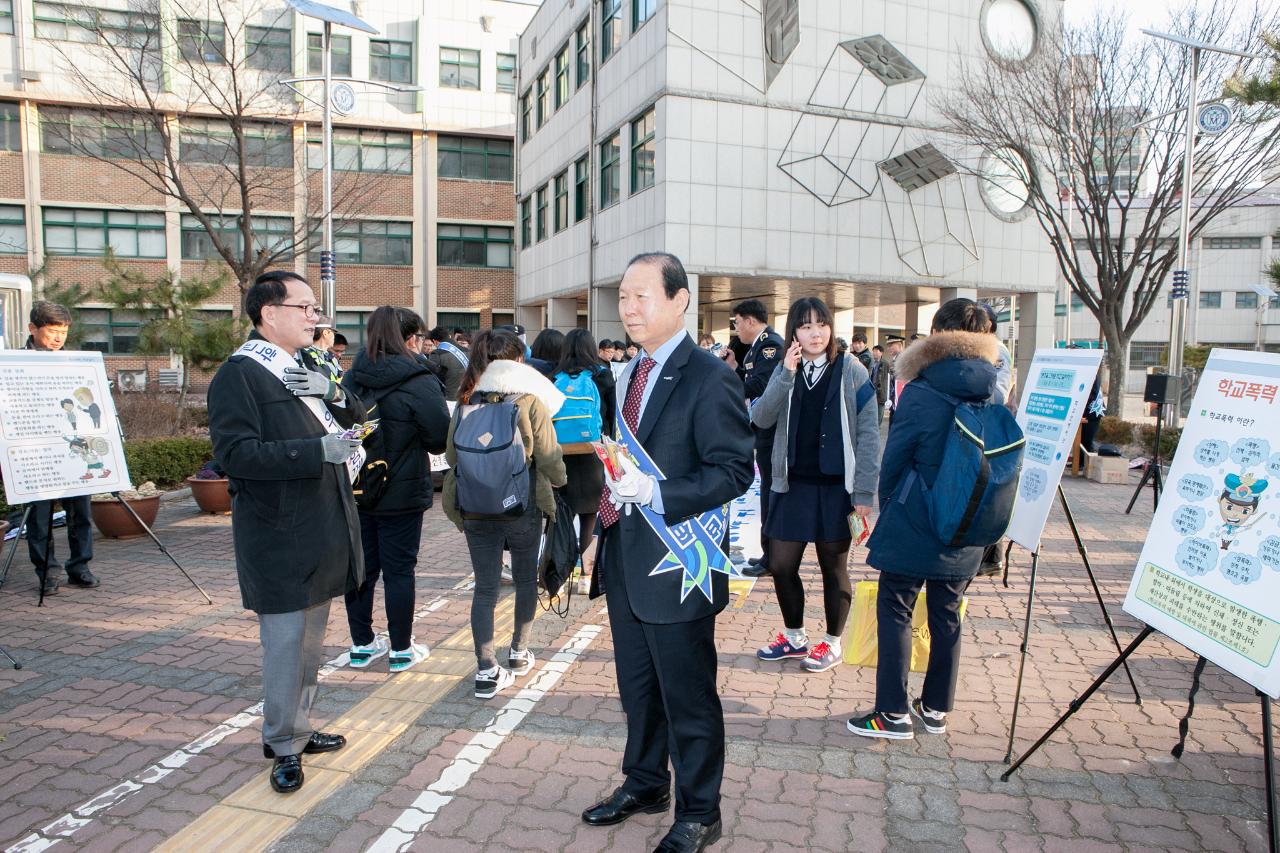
[(764, 461), (79, 536), (894, 604), (667, 682), (390, 545)]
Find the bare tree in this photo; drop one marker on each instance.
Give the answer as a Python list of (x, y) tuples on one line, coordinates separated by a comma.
[(187, 97), (1091, 130)]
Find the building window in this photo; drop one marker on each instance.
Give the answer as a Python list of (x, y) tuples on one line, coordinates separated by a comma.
[(392, 61), (506, 72), (562, 77), (269, 49), (65, 22), (641, 11), (6, 17), (459, 69), (544, 105), (541, 212), (13, 229), (340, 50), (583, 48), (610, 166), (475, 158), (1233, 243), (610, 29), (209, 141), (351, 325), (10, 126), (110, 332), (473, 246), (82, 231), (526, 223), (202, 41), (1144, 355), (562, 202), (581, 188), (369, 242), (272, 233), (526, 108), (64, 131), (643, 149), (365, 151), (1210, 299), (464, 320), (1246, 299)]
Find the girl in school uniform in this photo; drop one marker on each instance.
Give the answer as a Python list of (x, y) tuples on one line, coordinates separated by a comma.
[(826, 460)]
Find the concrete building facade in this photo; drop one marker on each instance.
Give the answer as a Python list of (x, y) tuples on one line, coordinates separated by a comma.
[(780, 149)]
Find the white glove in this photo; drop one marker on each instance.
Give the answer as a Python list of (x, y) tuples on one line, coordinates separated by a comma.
[(634, 487), (888, 405)]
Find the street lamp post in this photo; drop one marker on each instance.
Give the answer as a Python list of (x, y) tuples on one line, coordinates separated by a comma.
[(1182, 275)]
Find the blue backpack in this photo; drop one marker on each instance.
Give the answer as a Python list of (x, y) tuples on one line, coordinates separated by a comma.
[(579, 418), (971, 501)]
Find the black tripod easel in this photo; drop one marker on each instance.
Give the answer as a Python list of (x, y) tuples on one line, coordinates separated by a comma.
[(1268, 746), (1026, 625), (41, 573), (156, 539), (1152, 473)]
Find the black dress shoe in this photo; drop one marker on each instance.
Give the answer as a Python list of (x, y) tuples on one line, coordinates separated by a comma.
[(286, 774), (621, 805), (686, 837), (756, 570), (87, 580), (320, 742), (50, 585)]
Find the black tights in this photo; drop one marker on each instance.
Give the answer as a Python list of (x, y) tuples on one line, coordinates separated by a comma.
[(586, 530), (837, 591)]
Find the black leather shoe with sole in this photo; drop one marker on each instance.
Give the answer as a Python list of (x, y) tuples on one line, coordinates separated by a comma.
[(320, 742), (686, 837), (286, 774), (621, 805)]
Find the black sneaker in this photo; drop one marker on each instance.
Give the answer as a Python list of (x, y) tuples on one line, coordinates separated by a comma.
[(85, 580), (935, 722), (877, 724)]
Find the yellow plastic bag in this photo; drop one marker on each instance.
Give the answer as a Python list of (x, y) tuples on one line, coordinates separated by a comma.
[(862, 648)]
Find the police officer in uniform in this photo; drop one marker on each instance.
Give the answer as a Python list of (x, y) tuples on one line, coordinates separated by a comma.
[(762, 357)]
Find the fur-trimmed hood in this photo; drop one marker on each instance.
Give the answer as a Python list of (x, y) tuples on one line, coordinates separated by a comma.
[(925, 353), (513, 377)]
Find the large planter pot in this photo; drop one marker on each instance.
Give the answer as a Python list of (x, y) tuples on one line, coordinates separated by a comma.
[(115, 522), (210, 495)]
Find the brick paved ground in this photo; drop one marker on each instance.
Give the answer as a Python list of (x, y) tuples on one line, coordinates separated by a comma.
[(118, 678)]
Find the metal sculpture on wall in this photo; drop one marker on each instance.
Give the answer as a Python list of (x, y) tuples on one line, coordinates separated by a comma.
[(766, 31), (932, 239)]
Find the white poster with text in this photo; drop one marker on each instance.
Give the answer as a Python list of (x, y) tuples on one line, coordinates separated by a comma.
[(59, 436), (1056, 392), (1209, 574)]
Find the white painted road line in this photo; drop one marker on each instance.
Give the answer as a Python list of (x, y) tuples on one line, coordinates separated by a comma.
[(413, 820), (81, 816)]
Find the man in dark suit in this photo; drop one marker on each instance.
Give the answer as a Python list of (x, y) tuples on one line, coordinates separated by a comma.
[(751, 320), (664, 629)]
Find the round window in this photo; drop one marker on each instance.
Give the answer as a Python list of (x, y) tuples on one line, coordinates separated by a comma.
[(1004, 180), (1009, 29)]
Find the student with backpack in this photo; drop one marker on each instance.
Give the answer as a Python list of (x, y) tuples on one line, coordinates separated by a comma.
[(504, 461), (393, 488), (943, 498), (588, 412), (821, 410)]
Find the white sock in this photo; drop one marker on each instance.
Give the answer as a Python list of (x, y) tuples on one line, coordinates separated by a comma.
[(797, 637), (897, 718), (491, 672), (833, 642)]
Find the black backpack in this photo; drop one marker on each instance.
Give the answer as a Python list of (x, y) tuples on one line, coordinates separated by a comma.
[(559, 557), (376, 473)]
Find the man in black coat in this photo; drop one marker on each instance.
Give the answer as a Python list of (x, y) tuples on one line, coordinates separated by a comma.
[(277, 432), (765, 353), (450, 359), (664, 631)]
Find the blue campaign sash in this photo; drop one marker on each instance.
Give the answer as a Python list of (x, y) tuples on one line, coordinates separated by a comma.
[(456, 352), (692, 546)]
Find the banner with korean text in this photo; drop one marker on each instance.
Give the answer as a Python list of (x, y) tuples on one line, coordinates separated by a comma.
[(1209, 574), (59, 436), (1053, 401)]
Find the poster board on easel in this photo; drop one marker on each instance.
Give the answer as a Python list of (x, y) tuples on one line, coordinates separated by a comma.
[(59, 434), (1056, 393), (1209, 573)]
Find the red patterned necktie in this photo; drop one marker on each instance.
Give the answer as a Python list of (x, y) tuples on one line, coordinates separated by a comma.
[(630, 414)]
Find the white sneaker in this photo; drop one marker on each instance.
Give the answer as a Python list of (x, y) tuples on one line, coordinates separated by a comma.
[(507, 577), (362, 656), (404, 658), (490, 682), (520, 662)]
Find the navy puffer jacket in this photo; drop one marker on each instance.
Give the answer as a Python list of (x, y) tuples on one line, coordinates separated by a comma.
[(963, 365)]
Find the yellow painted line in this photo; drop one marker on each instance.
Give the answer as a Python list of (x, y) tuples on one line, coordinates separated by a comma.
[(254, 816)]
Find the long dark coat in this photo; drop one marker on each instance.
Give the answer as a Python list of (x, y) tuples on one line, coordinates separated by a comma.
[(293, 517)]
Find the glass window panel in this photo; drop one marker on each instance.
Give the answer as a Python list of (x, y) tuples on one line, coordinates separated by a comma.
[(499, 255)]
